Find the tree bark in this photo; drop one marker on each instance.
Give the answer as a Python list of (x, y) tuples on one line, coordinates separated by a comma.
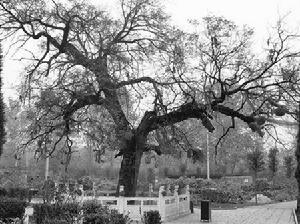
[(130, 165), (297, 154)]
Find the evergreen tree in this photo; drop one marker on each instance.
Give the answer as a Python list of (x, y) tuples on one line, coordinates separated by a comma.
[(256, 161), (273, 161), (288, 163), (151, 176), (256, 164)]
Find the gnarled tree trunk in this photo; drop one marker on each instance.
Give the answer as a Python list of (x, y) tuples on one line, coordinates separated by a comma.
[(129, 170)]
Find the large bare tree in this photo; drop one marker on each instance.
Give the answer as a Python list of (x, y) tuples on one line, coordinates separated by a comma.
[(92, 67)]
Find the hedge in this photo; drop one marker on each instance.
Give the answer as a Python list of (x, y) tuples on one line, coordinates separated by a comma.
[(48, 213), (95, 213), (91, 212), (12, 208), (20, 193), (152, 217)]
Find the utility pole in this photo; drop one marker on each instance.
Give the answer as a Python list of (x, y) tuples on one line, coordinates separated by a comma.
[(47, 167), (207, 155), (26, 164)]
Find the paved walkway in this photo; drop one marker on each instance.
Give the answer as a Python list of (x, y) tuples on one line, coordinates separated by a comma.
[(280, 213)]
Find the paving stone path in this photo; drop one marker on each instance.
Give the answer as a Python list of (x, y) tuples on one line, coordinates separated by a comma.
[(281, 213)]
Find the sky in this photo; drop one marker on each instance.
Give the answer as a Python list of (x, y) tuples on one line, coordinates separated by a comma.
[(259, 14)]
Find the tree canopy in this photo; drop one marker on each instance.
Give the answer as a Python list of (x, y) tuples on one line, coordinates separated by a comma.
[(92, 65)]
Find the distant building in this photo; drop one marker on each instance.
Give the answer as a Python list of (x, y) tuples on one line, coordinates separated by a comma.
[(244, 180)]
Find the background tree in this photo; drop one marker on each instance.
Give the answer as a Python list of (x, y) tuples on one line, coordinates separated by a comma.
[(273, 161), (256, 161), (151, 176), (89, 61), (15, 120), (288, 164), (231, 151), (228, 154)]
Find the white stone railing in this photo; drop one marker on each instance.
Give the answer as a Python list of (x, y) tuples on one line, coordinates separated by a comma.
[(170, 206)]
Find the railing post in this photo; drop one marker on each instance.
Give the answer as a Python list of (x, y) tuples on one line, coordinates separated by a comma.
[(177, 199), (141, 209), (82, 192), (188, 198), (150, 190), (121, 200), (161, 203), (168, 191), (80, 188)]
